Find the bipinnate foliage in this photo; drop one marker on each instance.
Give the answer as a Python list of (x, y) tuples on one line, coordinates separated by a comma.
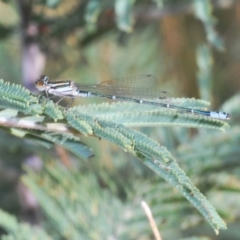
[(35, 117), (75, 203), (20, 230)]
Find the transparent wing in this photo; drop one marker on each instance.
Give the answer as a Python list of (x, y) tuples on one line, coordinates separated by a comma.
[(138, 87)]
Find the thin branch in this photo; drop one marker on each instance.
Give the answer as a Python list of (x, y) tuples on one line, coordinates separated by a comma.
[(151, 220)]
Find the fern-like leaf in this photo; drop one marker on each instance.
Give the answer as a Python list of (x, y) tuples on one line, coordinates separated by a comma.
[(20, 231), (140, 115), (110, 122)]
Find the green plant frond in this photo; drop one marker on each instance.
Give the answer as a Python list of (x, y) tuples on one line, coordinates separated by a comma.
[(159, 160), (129, 114), (212, 158), (33, 109), (166, 118), (166, 205), (16, 92), (70, 142), (100, 128), (217, 158), (135, 115), (189, 102), (180, 181), (48, 135), (176, 177), (19, 230), (113, 136), (79, 122), (52, 110), (16, 97), (129, 139), (53, 210), (88, 203), (24, 107)]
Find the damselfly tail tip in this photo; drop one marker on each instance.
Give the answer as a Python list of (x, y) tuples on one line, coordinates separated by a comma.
[(220, 115), (224, 115), (228, 116)]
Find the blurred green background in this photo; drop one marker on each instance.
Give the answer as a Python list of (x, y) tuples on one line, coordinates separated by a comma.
[(193, 49)]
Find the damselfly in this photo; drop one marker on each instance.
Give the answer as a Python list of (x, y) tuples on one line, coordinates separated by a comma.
[(135, 89)]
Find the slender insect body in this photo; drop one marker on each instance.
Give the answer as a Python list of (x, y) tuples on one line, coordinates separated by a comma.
[(113, 90), (82, 94)]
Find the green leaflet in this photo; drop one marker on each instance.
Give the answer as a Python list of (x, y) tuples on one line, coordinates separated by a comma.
[(79, 122), (16, 92), (53, 111), (100, 128), (17, 97), (69, 142), (6, 102)]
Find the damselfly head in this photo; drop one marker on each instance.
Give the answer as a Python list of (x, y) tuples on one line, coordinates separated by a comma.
[(42, 82)]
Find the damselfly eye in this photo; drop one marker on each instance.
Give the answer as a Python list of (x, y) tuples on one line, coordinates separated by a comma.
[(45, 79), (42, 82)]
